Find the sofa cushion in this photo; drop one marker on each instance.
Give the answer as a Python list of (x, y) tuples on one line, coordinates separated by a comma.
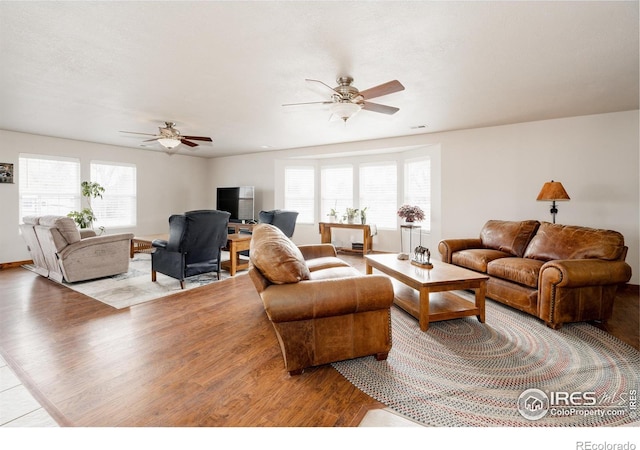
[(65, 225), (332, 273), (519, 270), (554, 241), (508, 236), (31, 220), (324, 262), (276, 256), (477, 258)]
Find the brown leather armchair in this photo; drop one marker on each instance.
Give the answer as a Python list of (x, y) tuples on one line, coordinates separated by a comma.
[(322, 309)]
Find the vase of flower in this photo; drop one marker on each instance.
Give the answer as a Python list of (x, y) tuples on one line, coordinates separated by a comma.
[(411, 214)]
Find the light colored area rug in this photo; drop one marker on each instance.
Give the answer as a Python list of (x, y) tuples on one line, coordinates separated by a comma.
[(135, 286), (464, 373)]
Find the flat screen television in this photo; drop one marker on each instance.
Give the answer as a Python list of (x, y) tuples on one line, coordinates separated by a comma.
[(238, 201)]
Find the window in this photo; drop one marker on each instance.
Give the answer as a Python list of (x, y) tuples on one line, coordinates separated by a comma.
[(117, 207), (336, 185), (299, 191), (417, 187), (379, 193), (48, 185)]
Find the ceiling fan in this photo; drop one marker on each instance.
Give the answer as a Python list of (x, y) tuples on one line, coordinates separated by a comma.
[(170, 138), (346, 100)]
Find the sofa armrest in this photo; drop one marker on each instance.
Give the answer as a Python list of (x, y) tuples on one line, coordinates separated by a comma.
[(159, 243), (325, 298), (87, 232), (448, 247), (92, 242), (313, 251), (584, 272)]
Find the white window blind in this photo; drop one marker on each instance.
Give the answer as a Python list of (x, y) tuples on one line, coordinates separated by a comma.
[(417, 187), (336, 186), (117, 207), (379, 194), (299, 191), (48, 185)]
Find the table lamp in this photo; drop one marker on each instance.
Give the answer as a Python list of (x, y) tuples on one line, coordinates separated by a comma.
[(554, 191)]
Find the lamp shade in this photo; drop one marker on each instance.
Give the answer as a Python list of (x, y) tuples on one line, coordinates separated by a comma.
[(344, 110), (169, 143), (553, 190)]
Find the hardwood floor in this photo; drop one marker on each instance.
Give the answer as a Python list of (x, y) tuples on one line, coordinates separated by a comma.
[(206, 357)]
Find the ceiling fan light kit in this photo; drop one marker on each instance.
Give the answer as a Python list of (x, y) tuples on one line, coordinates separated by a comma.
[(169, 143), (344, 110), (345, 100)]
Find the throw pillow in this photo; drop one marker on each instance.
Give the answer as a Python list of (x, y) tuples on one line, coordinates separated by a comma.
[(276, 256), (508, 236)]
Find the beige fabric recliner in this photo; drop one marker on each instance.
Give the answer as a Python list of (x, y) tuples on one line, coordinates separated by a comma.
[(66, 254), (322, 309)]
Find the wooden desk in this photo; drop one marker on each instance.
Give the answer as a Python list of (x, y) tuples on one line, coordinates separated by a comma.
[(367, 242), (236, 243)]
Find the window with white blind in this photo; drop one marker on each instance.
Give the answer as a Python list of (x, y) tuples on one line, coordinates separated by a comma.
[(299, 191), (379, 193), (48, 185), (336, 186), (417, 187), (117, 207)]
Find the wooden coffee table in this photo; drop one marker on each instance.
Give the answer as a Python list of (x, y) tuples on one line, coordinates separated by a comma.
[(427, 294), (236, 243), (142, 244)]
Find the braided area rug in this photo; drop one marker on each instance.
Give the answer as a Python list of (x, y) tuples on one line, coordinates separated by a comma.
[(464, 373)]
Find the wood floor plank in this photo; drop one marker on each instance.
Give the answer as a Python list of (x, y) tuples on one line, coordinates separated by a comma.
[(205, 357)]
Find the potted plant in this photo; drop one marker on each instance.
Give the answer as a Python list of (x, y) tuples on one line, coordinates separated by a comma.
[(411, 214), (333, 215), (351, 214), (363, 215), (86, 217)]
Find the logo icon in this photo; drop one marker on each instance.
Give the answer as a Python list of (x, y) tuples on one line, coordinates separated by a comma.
[(533, 404)]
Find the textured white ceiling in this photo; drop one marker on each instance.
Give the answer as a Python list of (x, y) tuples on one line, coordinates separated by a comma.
[(86, 70)]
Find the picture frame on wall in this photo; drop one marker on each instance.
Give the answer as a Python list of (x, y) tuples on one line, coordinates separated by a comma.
[(6, 173)]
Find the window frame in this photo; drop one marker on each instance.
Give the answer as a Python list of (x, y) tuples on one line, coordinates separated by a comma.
[(73, 194), (133, 198)]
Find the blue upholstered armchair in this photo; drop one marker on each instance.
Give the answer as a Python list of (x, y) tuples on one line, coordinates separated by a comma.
[(280, 218), (195, 245), (285, 220)]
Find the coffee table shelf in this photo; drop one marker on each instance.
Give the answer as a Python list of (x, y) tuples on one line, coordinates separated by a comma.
[(442, 305)]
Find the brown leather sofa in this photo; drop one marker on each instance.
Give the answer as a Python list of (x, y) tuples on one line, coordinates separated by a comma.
[(558, 273), (322, 309)]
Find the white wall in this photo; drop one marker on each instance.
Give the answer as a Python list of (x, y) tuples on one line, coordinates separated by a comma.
[(166, 184), (497, 172), (487, 173)]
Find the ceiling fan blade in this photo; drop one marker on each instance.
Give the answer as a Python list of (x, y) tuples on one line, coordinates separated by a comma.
[(154, 139), (320, 88), (376, 107), (198, 138), (307, 103), (190, 144), (135, 132), (383, 89)]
